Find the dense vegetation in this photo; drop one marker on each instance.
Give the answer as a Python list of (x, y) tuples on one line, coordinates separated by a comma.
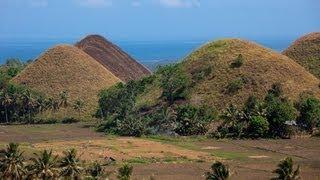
[(21, 104), (275, 116)]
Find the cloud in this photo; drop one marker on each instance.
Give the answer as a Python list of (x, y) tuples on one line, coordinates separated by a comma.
[(180, 3), (38, 3), (95, 3)]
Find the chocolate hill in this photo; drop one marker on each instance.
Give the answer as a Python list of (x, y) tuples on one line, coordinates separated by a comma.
[(306, 52), (67, 68), (221, 79), (113, 58)]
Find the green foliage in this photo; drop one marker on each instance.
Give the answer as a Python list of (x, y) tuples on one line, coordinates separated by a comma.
[(309, 117), (201, 73), (219, 171), (278, 112), (69, 120), (79, 105), (238, 62), (95, 170), (235, 85), (258, 126), (285, 170), (125, 172), (44, 166), (192, 120), (174, 83), (70, 165), (12, 162)]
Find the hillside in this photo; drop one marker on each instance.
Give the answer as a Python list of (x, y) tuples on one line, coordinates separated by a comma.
[(113, 58), (67, 68), (219, 81), (306, 52)]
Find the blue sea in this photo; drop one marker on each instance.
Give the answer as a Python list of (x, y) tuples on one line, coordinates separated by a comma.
[(149, 53)]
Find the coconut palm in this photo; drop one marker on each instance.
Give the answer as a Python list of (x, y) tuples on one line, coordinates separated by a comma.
[(78, 105), (28, 102), (64, 97), (70, 165), (125, 172), (44, 166), (286, 170), (6, 101), (12, 162), (95, 170), (219, 172)]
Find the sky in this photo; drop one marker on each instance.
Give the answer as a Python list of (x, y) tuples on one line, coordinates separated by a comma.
[(158, 19)]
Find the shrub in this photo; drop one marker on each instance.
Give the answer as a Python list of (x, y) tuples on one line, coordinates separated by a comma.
[(95, 170), (286, 170), (219, 171), (279, 111), (125, 172), (69, 120), (309, 117), (258, 126), (238, 62), (235, 85), (192, 120), (174, 83), (201, 73)]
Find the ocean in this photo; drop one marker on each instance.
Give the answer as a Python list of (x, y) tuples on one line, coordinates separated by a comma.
[(149, 53)]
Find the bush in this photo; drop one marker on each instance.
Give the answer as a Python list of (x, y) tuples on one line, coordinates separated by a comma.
[(309, 117), (219, 171), (235, 85), (174, 83), (286, 170), (258, 126), (192, 120), (69, 120), (125, 172), (238, 62), (202, 73), (279, 111)]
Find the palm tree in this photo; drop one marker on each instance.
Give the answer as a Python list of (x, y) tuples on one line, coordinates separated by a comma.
[(64, 97), (219, 172), (286, 170), (6, 101), (52, 104), (95, 170), (125, 172), (28, 102), (70, 165), (44, 166), (78, 105), (12, 162)]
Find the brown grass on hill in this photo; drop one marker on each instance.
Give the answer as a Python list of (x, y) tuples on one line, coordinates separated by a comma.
[(306, 52), (113, 58), (66, 67), (261, 68)]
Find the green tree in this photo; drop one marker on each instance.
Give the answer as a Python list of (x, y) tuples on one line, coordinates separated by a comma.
[(64, 99), (78, 105), (125, 172), (219, 171), (95, 170), (285, 170), (5, 101), (70, 165), (309, 117), (174, 83), (12, 162), (258, 126), (44, 166)]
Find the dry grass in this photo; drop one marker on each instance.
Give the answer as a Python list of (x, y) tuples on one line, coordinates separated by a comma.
[(306, 52), (113, 58), (65, 67), (261, 68)]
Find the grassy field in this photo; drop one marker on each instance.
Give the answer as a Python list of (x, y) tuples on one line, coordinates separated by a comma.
[(168, 157)]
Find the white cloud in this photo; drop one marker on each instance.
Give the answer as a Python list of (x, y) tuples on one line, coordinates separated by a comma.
[(136, 3), (95, 3), (38, 3), (180, 3)]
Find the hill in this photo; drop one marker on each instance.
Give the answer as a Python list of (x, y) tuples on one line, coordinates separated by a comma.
[(229, 71), (306, 52), (67, 68), (113, 58)]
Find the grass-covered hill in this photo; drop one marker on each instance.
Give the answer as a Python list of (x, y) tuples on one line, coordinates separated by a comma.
[(113, 58), (67, 68), (228, 71), (306, 52)]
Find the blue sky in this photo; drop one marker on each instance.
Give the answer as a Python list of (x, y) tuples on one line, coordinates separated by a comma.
[(158, 19)]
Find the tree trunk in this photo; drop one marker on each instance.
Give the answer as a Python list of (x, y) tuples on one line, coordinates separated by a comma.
[(6, 115)]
